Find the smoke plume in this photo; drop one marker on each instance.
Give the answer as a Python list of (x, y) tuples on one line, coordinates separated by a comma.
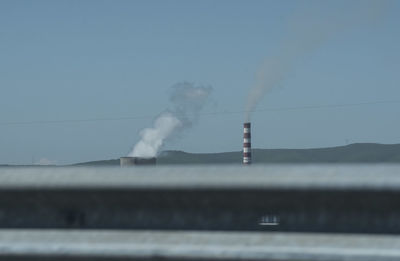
[(307, 31), (187, 101)]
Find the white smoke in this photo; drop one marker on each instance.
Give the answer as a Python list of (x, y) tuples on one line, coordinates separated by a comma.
[(307, 31), (187, 101), (152, 138)]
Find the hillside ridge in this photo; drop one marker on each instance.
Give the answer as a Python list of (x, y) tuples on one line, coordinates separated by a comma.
[(352, 153)]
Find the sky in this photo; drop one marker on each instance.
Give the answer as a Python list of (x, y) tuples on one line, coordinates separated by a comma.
[(65, 63)]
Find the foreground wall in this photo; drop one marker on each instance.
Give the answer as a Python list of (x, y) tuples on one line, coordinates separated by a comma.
[(180, 199)]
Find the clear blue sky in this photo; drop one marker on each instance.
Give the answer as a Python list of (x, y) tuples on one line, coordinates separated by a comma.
[(71, 60)]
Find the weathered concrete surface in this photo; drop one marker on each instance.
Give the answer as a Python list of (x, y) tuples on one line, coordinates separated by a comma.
[(158, 245), (345, 199), (338, 177)]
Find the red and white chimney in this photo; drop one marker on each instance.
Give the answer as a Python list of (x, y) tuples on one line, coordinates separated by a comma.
[(246, 143)]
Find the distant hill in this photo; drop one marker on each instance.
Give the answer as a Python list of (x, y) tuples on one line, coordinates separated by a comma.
[(99, 163), (354, 153)]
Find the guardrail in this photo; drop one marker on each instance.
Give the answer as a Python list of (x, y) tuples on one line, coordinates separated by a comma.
[(323, 199), (108, 245)]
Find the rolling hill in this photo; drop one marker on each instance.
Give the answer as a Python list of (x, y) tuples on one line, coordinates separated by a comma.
[(353, 153)]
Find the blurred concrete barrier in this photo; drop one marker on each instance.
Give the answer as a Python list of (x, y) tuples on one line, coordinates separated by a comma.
[(107, 245), (292, 199), (201, 213)]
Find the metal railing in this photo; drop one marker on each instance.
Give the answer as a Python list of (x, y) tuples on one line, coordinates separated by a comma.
[(274, 212)]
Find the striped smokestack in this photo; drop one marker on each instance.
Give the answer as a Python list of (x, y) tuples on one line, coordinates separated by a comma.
[(246, 143)]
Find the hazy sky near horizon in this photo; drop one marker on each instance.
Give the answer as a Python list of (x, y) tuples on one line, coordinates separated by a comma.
[(79, 60)]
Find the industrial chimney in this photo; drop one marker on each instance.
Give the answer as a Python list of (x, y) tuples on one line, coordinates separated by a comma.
[(246, 143)]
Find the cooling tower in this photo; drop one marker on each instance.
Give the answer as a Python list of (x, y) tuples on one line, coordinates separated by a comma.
[(247, 143), (134, 161)]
